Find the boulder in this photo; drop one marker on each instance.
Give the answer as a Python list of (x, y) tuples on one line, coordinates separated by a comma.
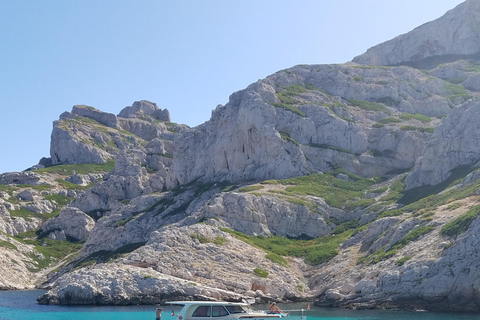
[(73, 222)]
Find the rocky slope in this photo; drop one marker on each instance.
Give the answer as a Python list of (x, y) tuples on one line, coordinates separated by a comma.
[(352, 185)]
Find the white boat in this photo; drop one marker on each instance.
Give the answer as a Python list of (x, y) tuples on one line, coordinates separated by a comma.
[(209, 310)]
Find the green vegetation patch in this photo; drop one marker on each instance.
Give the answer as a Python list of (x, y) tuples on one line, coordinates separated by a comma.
[(419, 129), (287, 98), (390, 213), (201, 239), (460, 224), (276, 258), (103, 256), (327, 146), (381, 254), (456, 90), (82, 168), (314, 251), (59, 199), (8, 245), (367, 105), (250, 188), (286, 136), (401, 261), (27, 215), (389, 120), (417, 116), (336, 192), (260, 273), (52, 250)]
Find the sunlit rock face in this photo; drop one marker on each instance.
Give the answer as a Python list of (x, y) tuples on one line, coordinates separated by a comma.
[(454, 35)]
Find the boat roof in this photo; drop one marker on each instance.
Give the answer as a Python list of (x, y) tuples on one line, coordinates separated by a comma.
[(208, 303)]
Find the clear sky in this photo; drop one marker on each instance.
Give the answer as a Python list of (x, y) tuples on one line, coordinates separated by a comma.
[(185, 55)]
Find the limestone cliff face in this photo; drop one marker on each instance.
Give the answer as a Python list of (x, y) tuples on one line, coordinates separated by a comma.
[(455, 143), (454, 35), (312, 118)]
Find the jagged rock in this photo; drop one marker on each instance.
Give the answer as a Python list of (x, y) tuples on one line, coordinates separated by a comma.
[(84, 179), (266, 215), (454, 35), (40, 206), (453, 145), (19, 178), (108, 119), (66, 148), (73, 222), (145, 107), (28, 195)]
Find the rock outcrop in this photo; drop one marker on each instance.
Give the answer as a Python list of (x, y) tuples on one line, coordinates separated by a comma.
[(453, 36)]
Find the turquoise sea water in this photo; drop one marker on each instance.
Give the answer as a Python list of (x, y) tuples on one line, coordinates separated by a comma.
[(21, 305)]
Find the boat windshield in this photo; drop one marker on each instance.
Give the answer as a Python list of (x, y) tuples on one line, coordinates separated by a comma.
[(236, 309)]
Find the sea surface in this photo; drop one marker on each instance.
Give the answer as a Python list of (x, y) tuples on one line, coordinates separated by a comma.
[(22, 305)]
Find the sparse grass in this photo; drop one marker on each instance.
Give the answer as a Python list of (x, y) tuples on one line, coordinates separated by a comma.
[(390, 213), (8, 245), (327, 146), (84, 168), (103, 256), (201, 239), (286, 136), (336, 192), (417, 116), (28, 215), (221, 241), (250, 188), (59, 199), (419, 129), (314, 251), (367, 105), (260, 273), (287, 98), (389, 120), (52, 250), (401, 261), (456, 91), (381, 254), (460, 224), (276, 259)]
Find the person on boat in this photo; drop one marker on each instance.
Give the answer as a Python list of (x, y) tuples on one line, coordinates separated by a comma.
[(273, 308), (159, 313)]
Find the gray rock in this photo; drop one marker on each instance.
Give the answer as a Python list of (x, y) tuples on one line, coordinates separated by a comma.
[(453, 35), (73, 222)]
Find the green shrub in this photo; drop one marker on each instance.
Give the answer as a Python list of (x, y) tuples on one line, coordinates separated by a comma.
[(419, 129), (201, 239), (260, 273), (367, 105), (221, 241), (276, 258), (417, 116), (83, 168), (460, 224), (250, 188), (389, 120), (401, 261), (390, 213), (286, 136)]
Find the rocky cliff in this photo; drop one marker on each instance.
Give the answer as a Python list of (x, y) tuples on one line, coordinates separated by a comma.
[(350, 185)]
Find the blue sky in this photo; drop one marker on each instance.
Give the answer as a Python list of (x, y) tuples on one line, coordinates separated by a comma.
[(186, 56)]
